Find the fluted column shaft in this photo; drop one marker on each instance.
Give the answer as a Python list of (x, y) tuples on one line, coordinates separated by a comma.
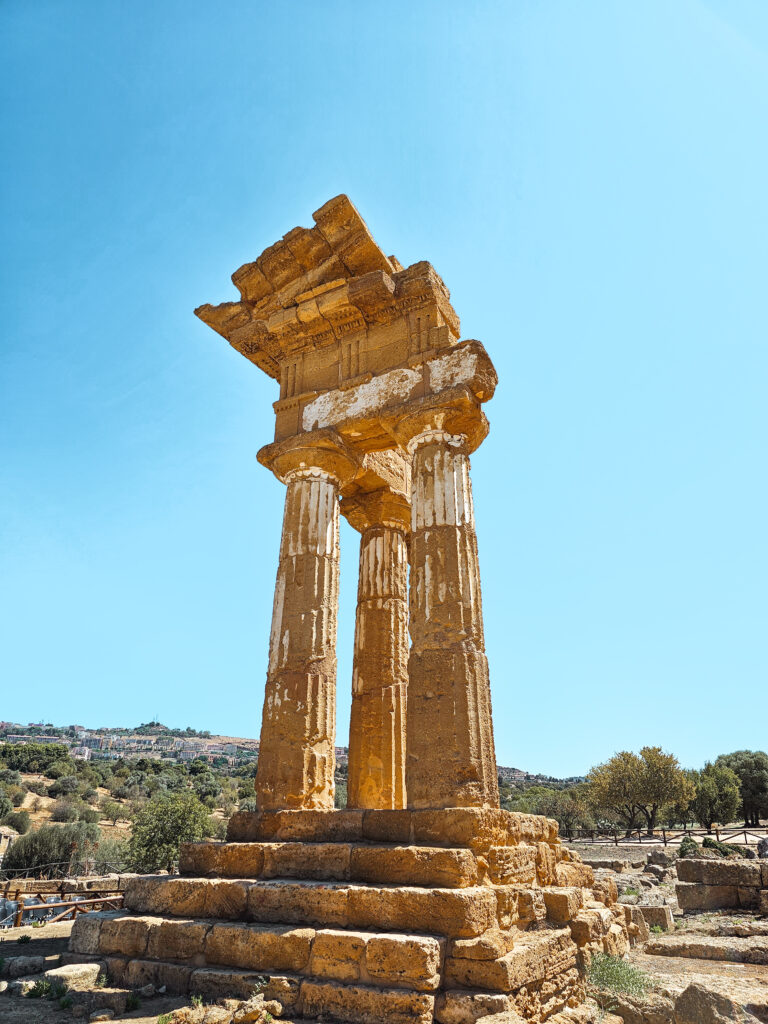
[(380, 671), (296, 753), (450, 752)]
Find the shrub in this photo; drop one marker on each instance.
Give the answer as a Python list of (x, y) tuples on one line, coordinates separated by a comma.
[(217, 829), (24, 939), (64, 810), (6, 805), (251, 804), (17, 794), (40, 990), (9, 777), (19, 820), (38, 788), (111, 855), (58, 769), (132, 1002), (613, 975), (724, 849), (67, 785), (53, 851), (689, 847)]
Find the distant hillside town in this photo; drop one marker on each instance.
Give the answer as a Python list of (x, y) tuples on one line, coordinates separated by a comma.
[(158, 741)]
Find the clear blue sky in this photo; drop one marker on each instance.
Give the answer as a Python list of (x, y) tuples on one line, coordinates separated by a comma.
[(590, 181)]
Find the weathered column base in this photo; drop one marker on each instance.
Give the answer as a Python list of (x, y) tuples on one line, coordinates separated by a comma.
[(392, 916)]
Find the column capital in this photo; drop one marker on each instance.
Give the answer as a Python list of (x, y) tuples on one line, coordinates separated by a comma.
[(453, 417), (384, 507), (317, 453)]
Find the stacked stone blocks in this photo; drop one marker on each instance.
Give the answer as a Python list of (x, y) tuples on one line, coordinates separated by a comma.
[(369, 916), (722, 884)]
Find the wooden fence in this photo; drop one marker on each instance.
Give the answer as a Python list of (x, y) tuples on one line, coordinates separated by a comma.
[(663, 836)]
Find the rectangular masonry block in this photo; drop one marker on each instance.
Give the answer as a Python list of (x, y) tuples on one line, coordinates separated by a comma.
[(571, 873), (404, 961), (719, 872), (226, 860), (388, 826), (546, 863), (457, 1006), (520, 905), (590, 925), (260, 948), (337, 955), (187, 897), (303, 826), (126, 935), (360, 1004), (489, 946), (214, 983), (456, 913), (563, 903), (322, 861), (512, 864), (697, 896), (84, 937), (658, 917), (298, 903), (414, 865), (138, 973), (176, 939)]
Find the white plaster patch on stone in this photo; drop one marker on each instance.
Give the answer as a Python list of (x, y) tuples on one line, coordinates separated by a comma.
[(453, 368), (364, 400), (277, 622)]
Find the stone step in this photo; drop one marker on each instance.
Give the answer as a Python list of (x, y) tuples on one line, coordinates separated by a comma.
[(471, 827), (455, 913), (387, 960), (342, 862), (734, 949)]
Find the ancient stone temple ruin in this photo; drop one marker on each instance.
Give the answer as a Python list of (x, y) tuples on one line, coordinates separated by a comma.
[(422, 900)]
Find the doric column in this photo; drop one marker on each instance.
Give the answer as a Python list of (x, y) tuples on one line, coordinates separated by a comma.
[(450, 753), (296, 752), (380, 668)]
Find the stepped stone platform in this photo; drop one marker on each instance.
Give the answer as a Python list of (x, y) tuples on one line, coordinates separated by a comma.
[(369, 916)]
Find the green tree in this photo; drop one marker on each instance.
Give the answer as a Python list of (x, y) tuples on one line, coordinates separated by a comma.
[(662, 782), (635, 786), (718, 795), (613, 788), (112, 810), (751, 767), (34, 757), (161, 826)]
